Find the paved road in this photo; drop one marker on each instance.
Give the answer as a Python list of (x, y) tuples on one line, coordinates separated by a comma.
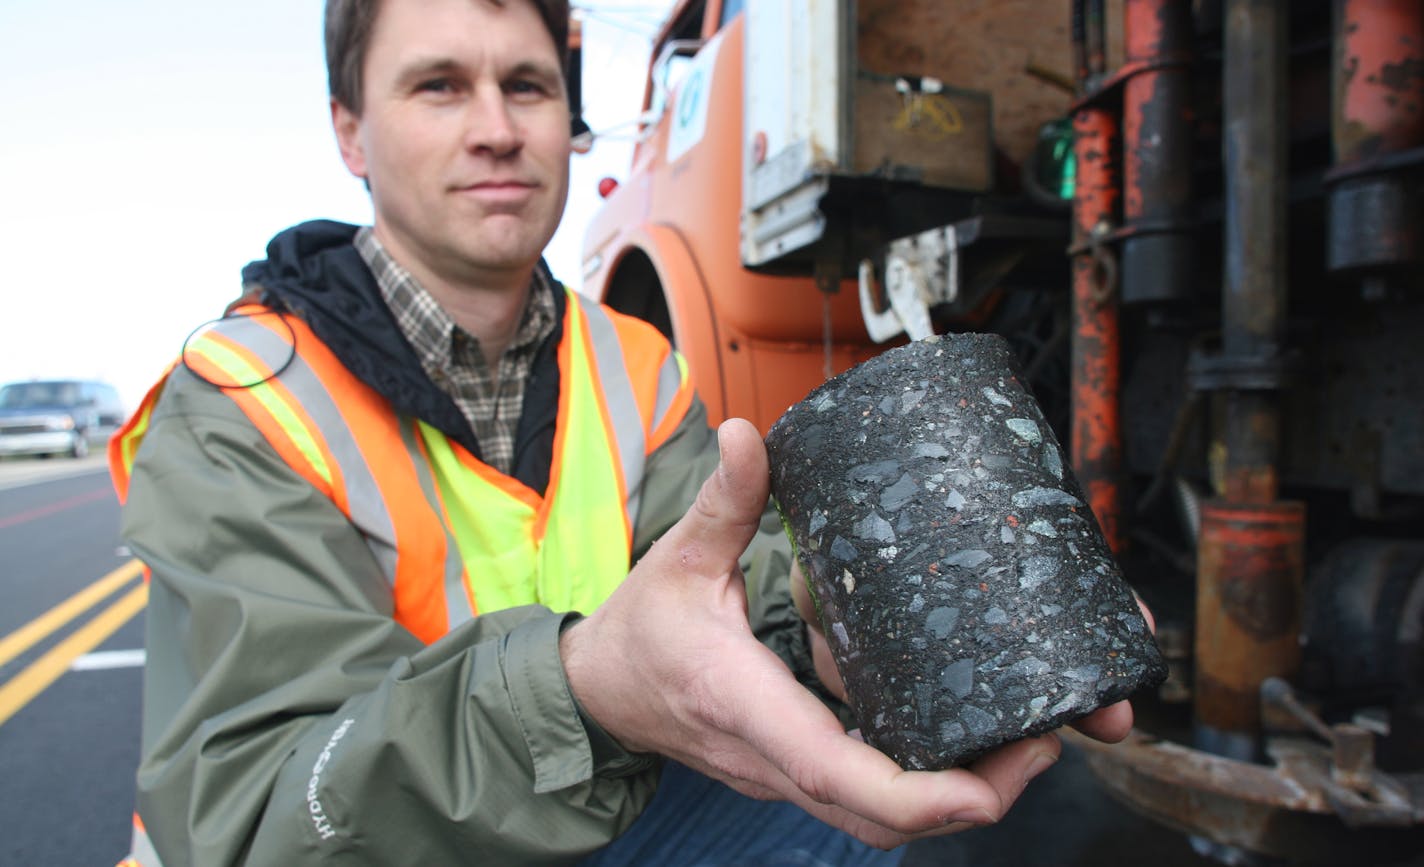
[(69, 705), (68, 738)]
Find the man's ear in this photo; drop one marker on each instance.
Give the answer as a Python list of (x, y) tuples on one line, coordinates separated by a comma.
[(348, 138)]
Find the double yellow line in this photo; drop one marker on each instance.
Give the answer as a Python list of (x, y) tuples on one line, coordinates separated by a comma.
[(23, 687)]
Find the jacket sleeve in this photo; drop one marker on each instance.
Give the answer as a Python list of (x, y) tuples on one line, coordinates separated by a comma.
[(674, 473), (289, 720)]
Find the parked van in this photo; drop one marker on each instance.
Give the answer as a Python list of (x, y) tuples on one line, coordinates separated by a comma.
[(57, 417)]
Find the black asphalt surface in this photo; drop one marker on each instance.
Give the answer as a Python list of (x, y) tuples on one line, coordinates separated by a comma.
[(66, 758)]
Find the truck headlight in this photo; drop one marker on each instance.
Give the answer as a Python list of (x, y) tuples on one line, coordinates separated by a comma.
[(59, 423)]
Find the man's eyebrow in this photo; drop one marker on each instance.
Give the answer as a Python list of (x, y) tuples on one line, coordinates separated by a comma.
[(439, 66), (420, 69), (534, 69)]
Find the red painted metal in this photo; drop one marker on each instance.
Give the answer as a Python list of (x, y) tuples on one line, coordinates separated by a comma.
[(1096, 411), (1380, 78), (1378, 114), (1251, 567)]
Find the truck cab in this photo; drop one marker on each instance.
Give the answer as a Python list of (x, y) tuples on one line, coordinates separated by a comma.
[(749, 215), (665, 246)]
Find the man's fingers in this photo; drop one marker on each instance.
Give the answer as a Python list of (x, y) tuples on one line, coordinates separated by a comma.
[(1003, 774), (743, 477), (1010, 768), (843, 781), (1109, 724), (804, 741), (1146, 612), (711, 537), (870, 832)]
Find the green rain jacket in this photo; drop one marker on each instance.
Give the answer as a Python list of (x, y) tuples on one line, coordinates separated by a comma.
[(282, 701)]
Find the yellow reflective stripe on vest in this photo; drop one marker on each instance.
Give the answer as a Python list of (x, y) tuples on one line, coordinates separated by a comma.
[(588, 533), (211, 346), (370, 454), (123, 445), (365, 503), (501, 544)]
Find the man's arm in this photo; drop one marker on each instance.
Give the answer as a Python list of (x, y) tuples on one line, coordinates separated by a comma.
[(289, 719)]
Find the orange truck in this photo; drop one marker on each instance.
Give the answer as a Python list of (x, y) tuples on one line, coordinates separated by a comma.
[(741, 267), (1199, 224)]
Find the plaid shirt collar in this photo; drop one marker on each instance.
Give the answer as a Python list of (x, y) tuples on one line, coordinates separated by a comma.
[(490, 397), (430, 330)]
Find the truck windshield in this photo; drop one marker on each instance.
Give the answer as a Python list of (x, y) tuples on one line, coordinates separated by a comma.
[(32, 394)]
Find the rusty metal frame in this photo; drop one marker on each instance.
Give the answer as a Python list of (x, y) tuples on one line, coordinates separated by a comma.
[(1294, 809)]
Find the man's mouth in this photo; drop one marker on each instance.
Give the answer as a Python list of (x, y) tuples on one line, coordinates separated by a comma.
[(497, 192)]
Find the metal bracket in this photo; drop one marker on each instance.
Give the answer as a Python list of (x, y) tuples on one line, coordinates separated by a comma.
[(920, 271)]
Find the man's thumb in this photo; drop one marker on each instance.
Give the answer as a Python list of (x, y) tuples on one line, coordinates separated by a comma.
[(715, 532)]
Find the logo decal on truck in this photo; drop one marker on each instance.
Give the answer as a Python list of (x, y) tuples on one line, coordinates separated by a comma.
[(689, 116)]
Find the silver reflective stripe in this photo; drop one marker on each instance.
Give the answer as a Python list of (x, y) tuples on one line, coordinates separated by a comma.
[(612, 374), (457, 600), (670, 381), (363, 496)]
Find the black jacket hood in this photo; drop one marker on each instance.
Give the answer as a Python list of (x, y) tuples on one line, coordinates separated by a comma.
[(314, 271)]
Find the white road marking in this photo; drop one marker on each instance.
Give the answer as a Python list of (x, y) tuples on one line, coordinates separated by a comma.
[(109, 659)]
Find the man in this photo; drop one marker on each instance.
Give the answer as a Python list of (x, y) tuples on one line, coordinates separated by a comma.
[(374, 499)]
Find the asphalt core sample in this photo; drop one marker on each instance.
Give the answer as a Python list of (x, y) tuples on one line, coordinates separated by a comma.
[(965, 588)]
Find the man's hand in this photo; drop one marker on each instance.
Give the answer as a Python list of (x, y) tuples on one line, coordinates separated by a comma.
[(669, 665)]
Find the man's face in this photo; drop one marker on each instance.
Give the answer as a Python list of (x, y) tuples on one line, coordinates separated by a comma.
[(463, 137)]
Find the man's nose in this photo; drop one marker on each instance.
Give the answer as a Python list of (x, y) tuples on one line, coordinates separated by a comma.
[(491, 126)]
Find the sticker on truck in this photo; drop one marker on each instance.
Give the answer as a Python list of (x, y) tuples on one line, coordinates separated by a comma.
[(689, 114)]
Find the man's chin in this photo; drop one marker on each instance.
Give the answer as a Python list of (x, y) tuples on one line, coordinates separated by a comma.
[(507, 244), (496, 256)]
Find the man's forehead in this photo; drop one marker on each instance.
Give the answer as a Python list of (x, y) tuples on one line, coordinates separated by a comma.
[(437, 32), (525, 11)]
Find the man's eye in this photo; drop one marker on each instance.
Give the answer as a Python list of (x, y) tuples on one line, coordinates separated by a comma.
[(436, 85), (525, 86)]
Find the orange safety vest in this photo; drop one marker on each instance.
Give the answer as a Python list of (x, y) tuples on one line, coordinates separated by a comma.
[(454, 536)]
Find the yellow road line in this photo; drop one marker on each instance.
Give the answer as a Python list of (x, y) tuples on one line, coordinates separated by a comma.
[(48, 668), (38, 629)]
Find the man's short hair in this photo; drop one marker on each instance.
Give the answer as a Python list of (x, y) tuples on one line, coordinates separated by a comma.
[(348, 37)]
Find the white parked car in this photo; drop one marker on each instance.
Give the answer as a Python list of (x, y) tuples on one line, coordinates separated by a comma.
[(60, 416)]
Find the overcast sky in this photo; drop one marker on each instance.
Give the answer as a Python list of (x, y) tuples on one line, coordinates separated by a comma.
[(150, 148)]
